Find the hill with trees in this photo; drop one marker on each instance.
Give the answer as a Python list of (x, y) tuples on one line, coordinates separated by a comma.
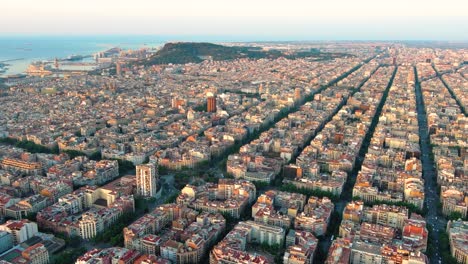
[(195, 52)]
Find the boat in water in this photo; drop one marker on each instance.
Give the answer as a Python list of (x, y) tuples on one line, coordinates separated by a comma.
[(74, 57)]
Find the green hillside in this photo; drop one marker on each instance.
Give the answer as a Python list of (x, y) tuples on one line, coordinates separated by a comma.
[(193, 52)]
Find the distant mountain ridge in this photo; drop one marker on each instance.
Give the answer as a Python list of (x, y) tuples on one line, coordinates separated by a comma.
[(195, 52)]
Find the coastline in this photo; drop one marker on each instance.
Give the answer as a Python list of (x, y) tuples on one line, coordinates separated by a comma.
[(14, 60), (10, 60)]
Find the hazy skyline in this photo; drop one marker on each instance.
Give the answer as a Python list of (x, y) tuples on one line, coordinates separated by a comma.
[(260, 19)]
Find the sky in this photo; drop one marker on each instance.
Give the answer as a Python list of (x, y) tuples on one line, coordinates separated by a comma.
[(254, 19)]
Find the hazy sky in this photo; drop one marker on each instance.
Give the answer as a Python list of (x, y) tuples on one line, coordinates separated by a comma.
[(262, 19)]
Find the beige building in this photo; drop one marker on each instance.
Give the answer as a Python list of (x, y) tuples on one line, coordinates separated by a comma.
[(387, 215), (21, 166), (271, 235), (458, 235), (90, 226), (36, 254), (454, 201), (365, 253)]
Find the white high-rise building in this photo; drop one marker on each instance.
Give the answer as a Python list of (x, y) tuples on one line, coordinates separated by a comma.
[(90, 226), (21, 230), (147, 179)]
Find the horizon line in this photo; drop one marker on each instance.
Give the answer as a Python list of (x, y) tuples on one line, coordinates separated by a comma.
[(266, 39)]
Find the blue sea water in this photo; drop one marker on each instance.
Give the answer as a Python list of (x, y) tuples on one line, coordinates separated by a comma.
[(20, 51)]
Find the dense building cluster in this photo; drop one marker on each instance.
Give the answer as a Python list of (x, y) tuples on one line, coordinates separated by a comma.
[(284, 155), (233, 248), (447, 127), (278, 208), (332, 154), (392, 170), (458, 235), (175, 233), (228, 197), (381, 233), (16, 238), (89, 210), (262, 158)]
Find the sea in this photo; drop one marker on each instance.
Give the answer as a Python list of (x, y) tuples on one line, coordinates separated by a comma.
[(19, 51)]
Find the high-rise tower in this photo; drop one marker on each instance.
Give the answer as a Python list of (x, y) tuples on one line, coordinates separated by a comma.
[(147, 179), (211, 104), (297, 94), (118, 68)]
